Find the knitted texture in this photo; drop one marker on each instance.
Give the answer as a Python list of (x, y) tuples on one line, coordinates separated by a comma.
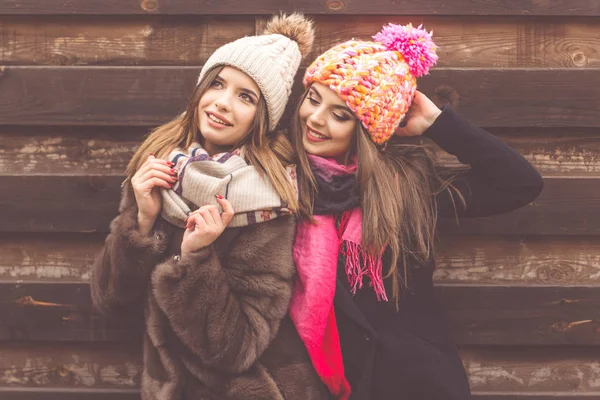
[(271, 59), (377, 79), (201, 177)]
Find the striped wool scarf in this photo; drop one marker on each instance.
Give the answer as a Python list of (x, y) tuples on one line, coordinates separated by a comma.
[(202, 177)]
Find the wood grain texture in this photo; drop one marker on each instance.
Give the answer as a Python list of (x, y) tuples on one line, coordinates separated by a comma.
[(493, 42), (385, 7), (518, 97), (478, 315), (68, 150), (561, 371), (528, 261), (48, 257), (565, 207), (70, 203), (142, 96), (112, 40), (148, 96), (559, 152), (67, 393), (74, 366)]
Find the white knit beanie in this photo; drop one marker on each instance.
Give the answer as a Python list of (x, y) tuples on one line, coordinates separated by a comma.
[(270, 59)]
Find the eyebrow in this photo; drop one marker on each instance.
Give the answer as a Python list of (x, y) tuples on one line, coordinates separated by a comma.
[(336, 106), (247, 91), (250, 92)]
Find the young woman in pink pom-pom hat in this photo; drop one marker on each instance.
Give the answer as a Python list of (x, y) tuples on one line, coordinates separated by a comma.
[(371, 194)]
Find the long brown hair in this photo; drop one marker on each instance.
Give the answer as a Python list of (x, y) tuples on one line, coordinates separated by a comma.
[(397, 186), (270, 152)]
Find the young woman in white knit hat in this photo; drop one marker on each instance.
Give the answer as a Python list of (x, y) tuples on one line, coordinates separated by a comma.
[(203, 242)]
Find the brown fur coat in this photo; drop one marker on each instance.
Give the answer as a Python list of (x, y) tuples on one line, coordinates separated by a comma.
[(216, 321)]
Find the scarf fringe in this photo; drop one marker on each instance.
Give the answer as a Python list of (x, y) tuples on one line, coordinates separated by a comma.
[(359, 264)]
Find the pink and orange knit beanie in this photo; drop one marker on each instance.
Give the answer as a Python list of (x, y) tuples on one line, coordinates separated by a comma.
[(378, 79)]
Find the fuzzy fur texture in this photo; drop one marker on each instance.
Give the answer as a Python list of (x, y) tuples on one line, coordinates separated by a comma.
[(294, 26), (216, 321)]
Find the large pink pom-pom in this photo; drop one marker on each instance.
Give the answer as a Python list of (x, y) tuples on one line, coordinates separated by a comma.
[(415, 44)]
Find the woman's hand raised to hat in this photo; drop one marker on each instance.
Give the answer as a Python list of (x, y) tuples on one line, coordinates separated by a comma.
[(420, 116), (153, 174), (205, 225)]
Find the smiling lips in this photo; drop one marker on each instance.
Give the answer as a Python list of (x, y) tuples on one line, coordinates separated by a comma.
[(217, 120), (314, 136)]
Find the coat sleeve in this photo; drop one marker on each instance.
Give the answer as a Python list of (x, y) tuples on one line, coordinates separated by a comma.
[(121, 271), (499, 180), (227, 311)]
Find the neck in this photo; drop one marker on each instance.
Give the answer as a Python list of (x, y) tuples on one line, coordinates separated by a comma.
[(213, 149)]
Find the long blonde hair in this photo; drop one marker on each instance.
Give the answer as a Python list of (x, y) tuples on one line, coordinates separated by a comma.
[(270, 152), (397, 187)]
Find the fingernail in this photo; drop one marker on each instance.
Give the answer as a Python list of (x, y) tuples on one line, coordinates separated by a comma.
[(151, 154), (170, 164), (173, 171), (219, 197)]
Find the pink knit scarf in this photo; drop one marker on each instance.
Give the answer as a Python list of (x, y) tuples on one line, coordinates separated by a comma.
[(316, 251)]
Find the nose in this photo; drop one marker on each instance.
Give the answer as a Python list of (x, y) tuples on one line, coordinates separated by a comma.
[(223, 102), (317, 117)]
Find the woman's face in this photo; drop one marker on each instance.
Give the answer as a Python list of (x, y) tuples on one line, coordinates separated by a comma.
[(327, 123), (227, 109)]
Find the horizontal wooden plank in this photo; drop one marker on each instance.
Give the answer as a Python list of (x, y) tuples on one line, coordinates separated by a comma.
[(68, 150), (59, 366), (146, 96), (48, 257), (478, 315), (504, 315), (499, 260), (534, 371), (116, 368), (15, 393), (107, 150), (526, 261), (94, 95), (115, 40), (518, 97), (403, 7), (567, 206), (498, 42), (554, 152), (70, 203)]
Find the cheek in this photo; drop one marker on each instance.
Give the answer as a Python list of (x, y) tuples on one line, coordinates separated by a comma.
[(344, 133), (304, 112), (247, 115), (205, 99)]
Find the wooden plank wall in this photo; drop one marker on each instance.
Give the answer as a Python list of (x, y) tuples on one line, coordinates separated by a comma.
[(82, 81)]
